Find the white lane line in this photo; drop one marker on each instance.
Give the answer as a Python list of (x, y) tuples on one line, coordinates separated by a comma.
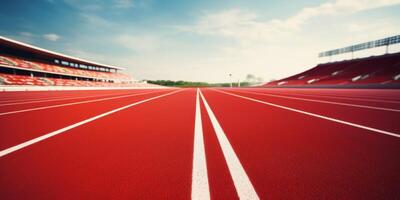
[(346, 98), (323, 101), (22, 99), (200, 187), (73, 103), (241, 181), (316, 115), (60, 99), (51, 134)]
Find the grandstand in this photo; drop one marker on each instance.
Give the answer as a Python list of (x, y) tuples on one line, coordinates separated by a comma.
[(26, 65), (381, 71)]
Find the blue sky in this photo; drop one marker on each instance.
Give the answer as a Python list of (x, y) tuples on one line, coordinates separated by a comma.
[(200, 40)]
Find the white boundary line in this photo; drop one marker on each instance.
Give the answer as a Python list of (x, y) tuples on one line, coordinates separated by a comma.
[(200, 187), (69, 88), (74, 103), (323, 101), (62, 130), (61, 99), (22, 99), (316, 115), (340, 97), (241, 181)]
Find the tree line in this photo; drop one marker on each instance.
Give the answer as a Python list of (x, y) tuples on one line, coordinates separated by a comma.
[(194, 84)]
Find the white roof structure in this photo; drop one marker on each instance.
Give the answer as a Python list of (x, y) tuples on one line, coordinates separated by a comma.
[(55, 55)]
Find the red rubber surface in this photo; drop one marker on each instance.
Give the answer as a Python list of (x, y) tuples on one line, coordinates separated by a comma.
[(146, 151)]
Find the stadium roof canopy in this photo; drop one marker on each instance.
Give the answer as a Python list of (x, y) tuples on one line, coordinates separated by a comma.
[(367, 45), (10, 45)]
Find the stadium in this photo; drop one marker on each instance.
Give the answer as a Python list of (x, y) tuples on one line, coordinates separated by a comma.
[(375, 71), (23, 64), (174, 116)]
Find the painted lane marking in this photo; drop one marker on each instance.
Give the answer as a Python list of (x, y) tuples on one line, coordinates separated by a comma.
[(240, 179), (323, 101), (62, 130), (316, 115), (200, 187), (341, 97), (73, 103), (19, 100), (60, 99)]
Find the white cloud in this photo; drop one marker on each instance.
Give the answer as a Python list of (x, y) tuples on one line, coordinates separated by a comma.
[(87, 6), (141, 43), (333, 8), (26, 34), (51, 37), (276, 48), (104, 5), (79, 53), (123, 3), (246, 26), (229, 23), (95, 20), (242, 42)]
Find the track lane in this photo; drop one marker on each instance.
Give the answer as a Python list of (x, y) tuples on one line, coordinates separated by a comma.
[(323, 101), (243, 184), (373, 94), (363, 102), (19, 96), (290, 155), (69, 97), (220, 180), (72, 126), (286, 154), (20, 127), (27, 107), (144, 152), (368, 95), (66, 103), (200, 185), (380, 119)]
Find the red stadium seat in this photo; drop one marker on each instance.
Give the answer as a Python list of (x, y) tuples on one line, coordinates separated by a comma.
[(373, 70), (16, 62)]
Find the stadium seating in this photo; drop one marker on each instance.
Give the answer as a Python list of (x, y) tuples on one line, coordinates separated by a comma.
[(381, 70), (20, 63), (8, 79)]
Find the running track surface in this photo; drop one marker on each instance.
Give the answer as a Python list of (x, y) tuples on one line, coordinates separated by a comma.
[(213, 143)]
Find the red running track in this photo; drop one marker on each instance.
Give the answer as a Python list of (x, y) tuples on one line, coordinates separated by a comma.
[(213, 143)]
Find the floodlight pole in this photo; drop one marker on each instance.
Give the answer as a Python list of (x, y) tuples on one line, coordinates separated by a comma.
[(230, 79)]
